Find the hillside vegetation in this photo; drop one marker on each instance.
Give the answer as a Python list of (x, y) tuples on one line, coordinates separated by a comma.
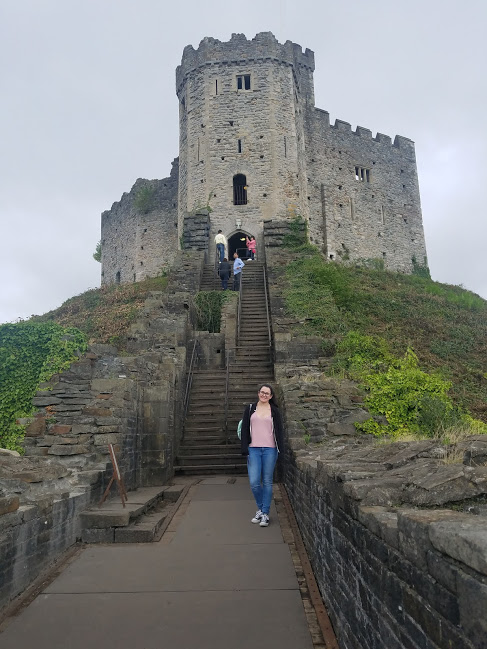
[(375, 322), (32, 351), (105, 314)]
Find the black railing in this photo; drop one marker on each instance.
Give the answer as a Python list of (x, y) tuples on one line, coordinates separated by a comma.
[(189, 381), (227, 388), (239, 310), (267, 307)]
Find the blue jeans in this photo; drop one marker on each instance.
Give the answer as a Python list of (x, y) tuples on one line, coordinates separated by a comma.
[(260, 466), (220, 248), (236, 281)]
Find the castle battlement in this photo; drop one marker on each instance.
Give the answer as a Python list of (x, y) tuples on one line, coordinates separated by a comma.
[(400, 142), (239, 49)]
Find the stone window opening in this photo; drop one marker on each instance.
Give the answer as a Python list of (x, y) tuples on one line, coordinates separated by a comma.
[(231, 123), (117, 277), (285, 147), (243, 82), (240, 146), (239, 189), (362, 174), (216, 86)]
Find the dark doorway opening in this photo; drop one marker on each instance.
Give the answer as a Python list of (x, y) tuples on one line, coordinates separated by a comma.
[(240, 190), (236, 243)]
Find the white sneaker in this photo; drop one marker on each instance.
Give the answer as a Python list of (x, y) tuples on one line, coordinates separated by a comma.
[(258, 516), (264, 520)]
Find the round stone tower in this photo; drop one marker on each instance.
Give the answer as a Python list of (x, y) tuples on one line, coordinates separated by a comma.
[(241, 120)]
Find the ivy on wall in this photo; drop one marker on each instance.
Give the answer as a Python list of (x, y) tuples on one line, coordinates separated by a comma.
[(30, 353)]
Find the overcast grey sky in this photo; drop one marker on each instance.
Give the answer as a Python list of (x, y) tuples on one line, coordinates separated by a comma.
[(88, 105)]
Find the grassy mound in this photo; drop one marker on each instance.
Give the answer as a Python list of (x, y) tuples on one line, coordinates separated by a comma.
[(105, 314), (445, 326)]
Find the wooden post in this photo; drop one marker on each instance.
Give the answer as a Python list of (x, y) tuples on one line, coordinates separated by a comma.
[(116, 476)]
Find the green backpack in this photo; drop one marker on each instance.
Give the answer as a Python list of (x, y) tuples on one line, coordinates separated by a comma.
[(239, 427)]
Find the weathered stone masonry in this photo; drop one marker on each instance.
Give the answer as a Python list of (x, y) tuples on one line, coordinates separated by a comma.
[(134, 402), (246, 110), (398, 567), (137, 244)]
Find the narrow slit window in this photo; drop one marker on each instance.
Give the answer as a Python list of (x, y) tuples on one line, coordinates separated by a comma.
[(216, 86), (240, 146), (285, 147), (243, 82)]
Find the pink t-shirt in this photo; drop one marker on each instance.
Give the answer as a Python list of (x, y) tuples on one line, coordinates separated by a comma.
[(261, 431)]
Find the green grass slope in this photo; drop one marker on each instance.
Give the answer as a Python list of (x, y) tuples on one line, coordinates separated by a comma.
[(445, 326)]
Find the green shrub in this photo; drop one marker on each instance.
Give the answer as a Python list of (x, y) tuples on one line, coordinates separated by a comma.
[(208, 307), (30, 352), (144, 199)]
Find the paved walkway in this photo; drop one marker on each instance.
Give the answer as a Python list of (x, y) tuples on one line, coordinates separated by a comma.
[(214, 581)]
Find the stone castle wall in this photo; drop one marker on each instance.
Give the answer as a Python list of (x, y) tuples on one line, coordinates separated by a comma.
[(225, 131), (358, 193), (375, 215), (138, 243)]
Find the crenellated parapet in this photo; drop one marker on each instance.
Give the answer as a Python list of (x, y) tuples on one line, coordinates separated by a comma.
[(239, 49), (400, 142)]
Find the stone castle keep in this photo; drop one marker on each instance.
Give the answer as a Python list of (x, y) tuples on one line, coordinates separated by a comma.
[(253, 147)]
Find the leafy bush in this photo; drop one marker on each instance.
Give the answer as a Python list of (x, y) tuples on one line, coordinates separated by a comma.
[(97, 253), (144, 199), (405, 398), (30, 352), (208, 307), (421, 270), (298, 235)]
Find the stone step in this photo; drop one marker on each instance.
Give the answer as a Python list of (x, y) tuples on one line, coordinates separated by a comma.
[(208, 458), (212, 469), (105, 524), (212, 449)]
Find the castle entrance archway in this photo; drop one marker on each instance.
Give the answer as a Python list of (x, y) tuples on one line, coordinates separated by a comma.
[(236, 243)]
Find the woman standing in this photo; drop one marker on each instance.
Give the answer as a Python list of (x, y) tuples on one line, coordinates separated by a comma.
[(262, 440), (251, 246)]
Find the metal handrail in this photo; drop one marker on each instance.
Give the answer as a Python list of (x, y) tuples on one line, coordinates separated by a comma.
[(189, 382), (227, 385), (239, 310), (216, 263), (267, 307)]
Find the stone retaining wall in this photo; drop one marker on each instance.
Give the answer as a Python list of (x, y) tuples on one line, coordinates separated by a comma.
[(396, 533), (132, 401), (391, 577)]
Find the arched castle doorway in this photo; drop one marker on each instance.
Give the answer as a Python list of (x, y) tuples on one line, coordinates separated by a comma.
[(236, 243)]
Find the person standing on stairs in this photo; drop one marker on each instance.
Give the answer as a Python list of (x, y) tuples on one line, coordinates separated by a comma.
[(225, 271), (237, 271), (251, 246), (221, 244), (262, 439)]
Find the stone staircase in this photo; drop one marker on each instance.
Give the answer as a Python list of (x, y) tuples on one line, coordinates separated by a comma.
[(210, 444), (144, 518)]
